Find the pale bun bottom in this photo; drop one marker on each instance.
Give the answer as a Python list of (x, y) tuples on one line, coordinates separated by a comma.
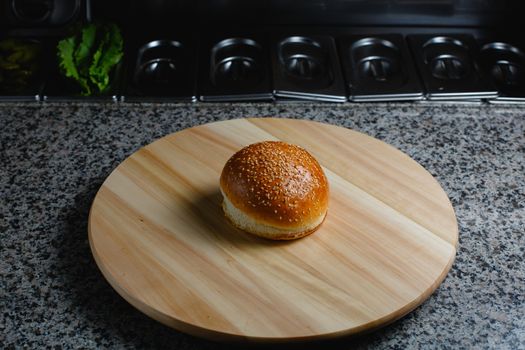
[(244, 222)]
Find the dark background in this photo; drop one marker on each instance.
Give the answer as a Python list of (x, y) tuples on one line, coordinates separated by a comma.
[(194, 15)]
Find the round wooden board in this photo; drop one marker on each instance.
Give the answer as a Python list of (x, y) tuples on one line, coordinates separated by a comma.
[(158, 234)]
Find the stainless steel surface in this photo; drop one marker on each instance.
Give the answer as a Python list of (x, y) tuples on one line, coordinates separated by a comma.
[(234, 68), (466, 102), (306, 68), (20, 98), (449, 67), (238, 98), (78, 98), (379, 68)]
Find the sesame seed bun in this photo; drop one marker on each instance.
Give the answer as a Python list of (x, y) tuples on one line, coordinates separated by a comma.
[(274, 190)]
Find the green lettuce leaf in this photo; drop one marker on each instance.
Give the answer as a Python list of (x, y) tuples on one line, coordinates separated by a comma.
[(89, 56), (108, 55), (66, 49), (82, 55)]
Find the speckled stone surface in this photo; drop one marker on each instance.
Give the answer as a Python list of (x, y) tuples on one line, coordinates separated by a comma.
[(54, 157)]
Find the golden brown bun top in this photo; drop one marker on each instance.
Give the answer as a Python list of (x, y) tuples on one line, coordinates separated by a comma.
[(276, 182)]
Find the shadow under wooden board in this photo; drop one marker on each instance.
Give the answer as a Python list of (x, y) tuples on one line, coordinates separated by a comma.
[(158, 234)]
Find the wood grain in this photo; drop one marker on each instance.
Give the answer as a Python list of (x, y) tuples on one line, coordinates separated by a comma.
[(159, 236)]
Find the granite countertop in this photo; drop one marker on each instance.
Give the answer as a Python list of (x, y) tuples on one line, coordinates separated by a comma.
[(54, 157)]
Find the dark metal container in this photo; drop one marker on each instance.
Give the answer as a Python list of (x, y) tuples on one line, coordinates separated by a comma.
[(58, 88), (161, 70), (234, 68), (505, 63), (449, 67), (379, 68), (42, 13), (307, 68), (23, 62)]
